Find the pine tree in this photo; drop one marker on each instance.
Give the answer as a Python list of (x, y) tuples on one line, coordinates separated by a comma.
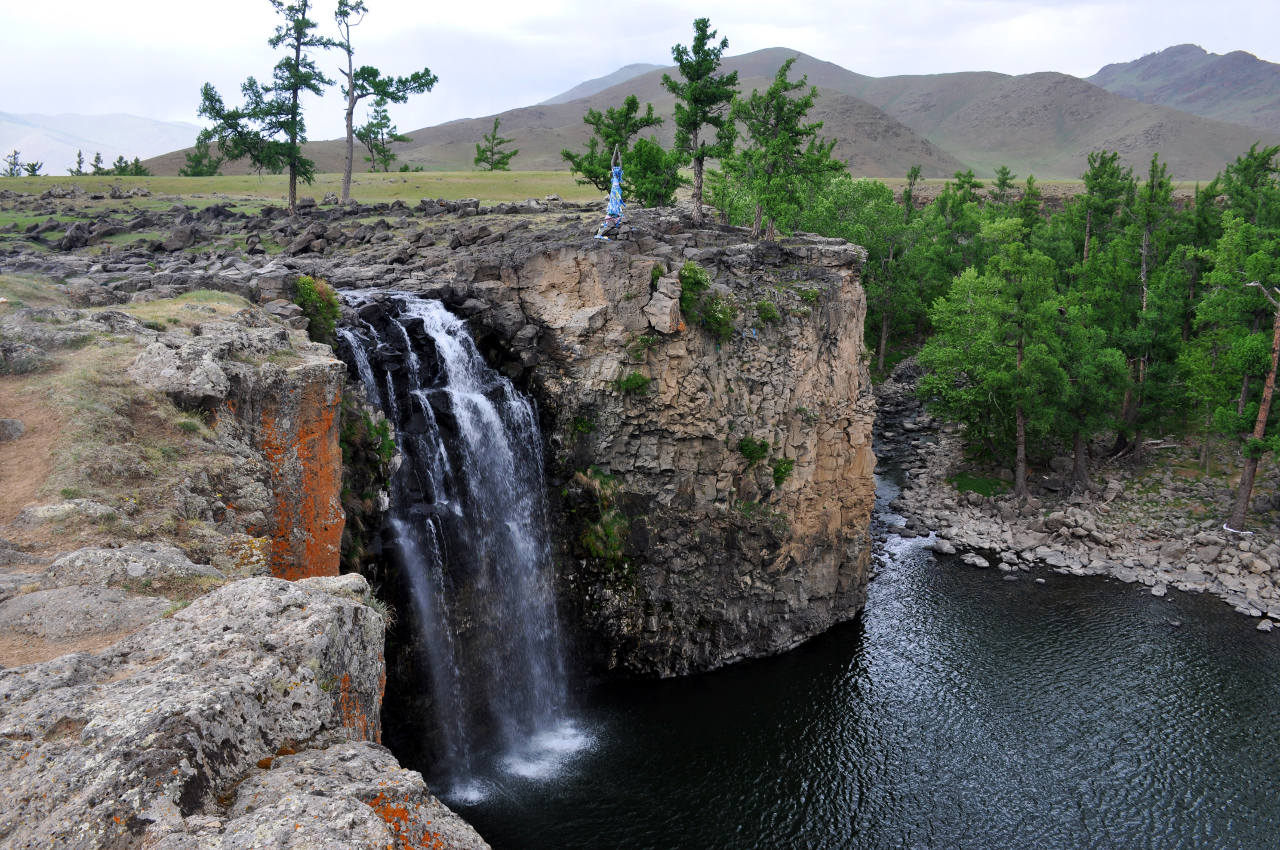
[(784, 153), (269, 129), (612, 129), (703, 98), (652, 173), (78, 169), (995, 361), (98, 168), (377, 135), (32, 168), (200, 161), (1002, 189), (488, 155), (367, 81), (13, 163)]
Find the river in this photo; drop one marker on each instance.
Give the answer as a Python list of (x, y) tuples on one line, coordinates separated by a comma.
[(959, 711)]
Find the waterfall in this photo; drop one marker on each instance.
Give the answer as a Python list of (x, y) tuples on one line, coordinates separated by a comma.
[(469, 517)]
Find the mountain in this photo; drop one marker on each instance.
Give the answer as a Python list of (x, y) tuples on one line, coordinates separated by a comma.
[(1237, 87), (873, 143), (54, 139), (599, 84), (1044, 124), (1047, 123)]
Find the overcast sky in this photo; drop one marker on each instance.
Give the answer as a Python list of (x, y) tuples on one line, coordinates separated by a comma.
[(150, 57)]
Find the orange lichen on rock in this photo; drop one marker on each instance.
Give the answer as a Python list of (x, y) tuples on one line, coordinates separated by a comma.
[(362, 720), (409, 834), (297, 433)]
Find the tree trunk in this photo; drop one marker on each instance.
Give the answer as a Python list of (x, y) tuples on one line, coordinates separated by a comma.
[(697, 188), (294, 151), (1088, 226), (884, 340), (1245, 493), (351, 132), (1020, 448), (1080, 467), (1020, 457), (755, 225), (1244, 382)]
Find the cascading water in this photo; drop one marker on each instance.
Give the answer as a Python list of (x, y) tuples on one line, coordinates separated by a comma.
[(468, 514)]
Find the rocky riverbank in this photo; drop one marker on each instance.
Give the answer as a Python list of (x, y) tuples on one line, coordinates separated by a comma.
[(1158, 524)]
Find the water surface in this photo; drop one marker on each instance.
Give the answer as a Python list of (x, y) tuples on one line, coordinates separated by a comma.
[(960, 711)]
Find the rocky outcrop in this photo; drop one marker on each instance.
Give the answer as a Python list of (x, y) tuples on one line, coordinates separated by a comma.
[(249, 718), (682, 547)]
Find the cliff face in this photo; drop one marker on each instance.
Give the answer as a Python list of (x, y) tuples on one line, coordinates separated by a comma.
[(713, 505)]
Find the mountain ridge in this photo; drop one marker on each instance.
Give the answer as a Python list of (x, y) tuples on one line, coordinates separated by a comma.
[(1237, 86), (1045, 123)]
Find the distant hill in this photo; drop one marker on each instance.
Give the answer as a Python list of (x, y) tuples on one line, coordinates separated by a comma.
[(872, 143), (54, 139), (1237, 87), (1047, 123), (599, 84), (1043, 124)]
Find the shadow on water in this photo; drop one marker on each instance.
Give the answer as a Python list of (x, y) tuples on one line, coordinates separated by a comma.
[(960, 711)]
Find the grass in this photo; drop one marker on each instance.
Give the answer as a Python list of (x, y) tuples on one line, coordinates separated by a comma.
[(489, 187), (187, 310), (28, 290), (966, 483)]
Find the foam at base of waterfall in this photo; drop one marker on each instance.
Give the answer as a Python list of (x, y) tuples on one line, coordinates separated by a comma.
[(548, 752)]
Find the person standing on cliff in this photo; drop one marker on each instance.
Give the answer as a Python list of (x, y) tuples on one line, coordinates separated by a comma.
[(613, 212)]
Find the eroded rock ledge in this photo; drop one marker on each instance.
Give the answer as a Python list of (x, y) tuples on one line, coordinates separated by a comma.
[(248, 719)]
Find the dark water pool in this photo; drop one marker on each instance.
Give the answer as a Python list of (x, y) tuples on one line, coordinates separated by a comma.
[(960, 711)]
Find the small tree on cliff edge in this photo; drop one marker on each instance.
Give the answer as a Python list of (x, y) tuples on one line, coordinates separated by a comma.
[(702, 100), (269, 129)]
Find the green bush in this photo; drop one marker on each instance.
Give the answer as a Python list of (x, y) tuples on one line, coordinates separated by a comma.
[(639, 346), (320, 305), (753, 450), (694, 281), (768, 312), (782, 470), (655, 274), (633, 384), (717, 316)]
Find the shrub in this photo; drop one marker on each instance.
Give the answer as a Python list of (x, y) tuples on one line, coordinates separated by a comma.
[(633, 384), (753, 450), (768, 312), (694, 281), (639, 346), (782, 470), (655, 274), (319, 304), (717, 316)]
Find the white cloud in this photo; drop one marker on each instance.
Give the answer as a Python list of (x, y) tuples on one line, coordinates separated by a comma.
[(149, 57)]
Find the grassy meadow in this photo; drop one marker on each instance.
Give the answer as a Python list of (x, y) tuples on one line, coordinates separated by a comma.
[(489, 187)]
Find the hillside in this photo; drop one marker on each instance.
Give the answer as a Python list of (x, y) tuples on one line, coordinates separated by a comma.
[(1237, 87), (872, 142), (1047, 123), (1043, 124), (54, 139)]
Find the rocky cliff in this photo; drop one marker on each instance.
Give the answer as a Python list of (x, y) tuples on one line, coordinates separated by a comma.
[(712, 465)]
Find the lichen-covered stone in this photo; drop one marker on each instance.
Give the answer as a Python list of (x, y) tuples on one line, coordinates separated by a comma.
[(152, 737)]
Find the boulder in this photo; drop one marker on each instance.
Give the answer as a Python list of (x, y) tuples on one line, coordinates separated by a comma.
[(140, 566), (133, 745)]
